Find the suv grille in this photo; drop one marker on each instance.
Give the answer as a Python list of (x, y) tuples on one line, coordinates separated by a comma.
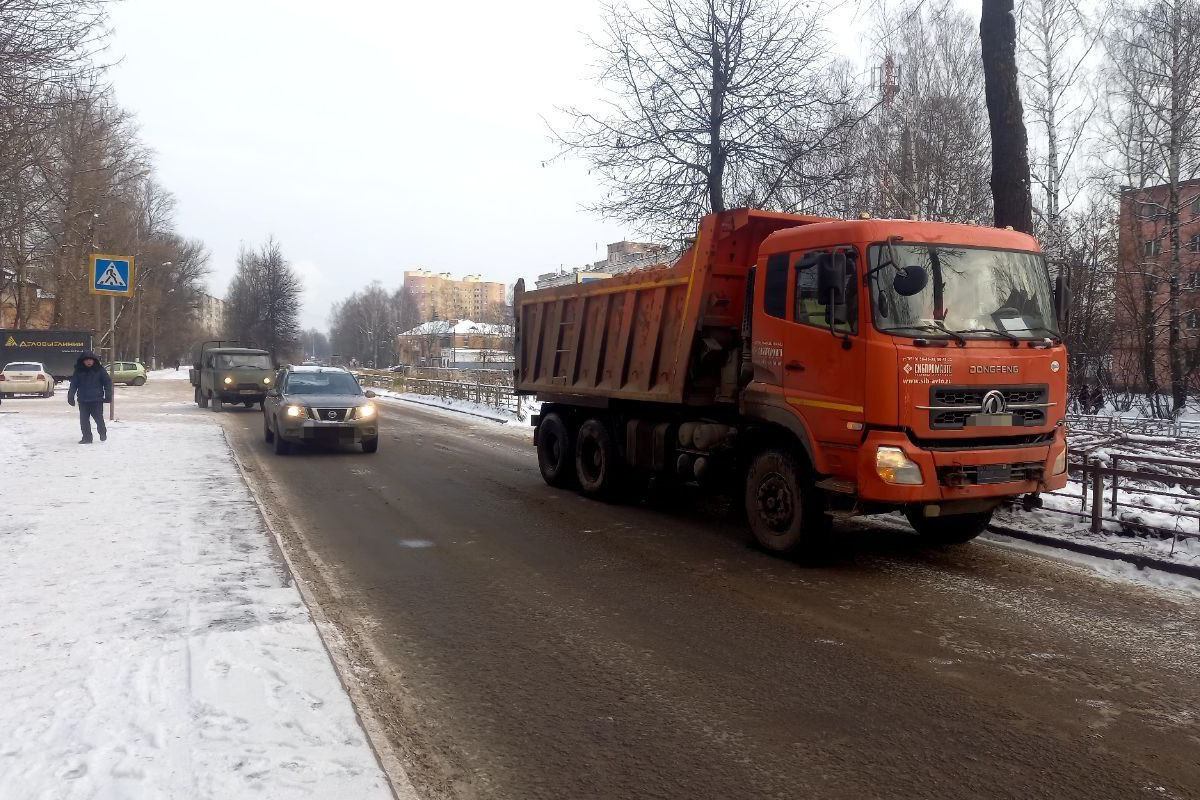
[(331, 414), (972, 475), (951, 406)]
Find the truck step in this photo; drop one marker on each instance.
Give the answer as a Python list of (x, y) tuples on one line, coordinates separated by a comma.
[(838, 485), (843, 513)]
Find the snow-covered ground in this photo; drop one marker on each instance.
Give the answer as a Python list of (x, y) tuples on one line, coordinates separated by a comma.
[(169, 374), (1176, 538), (151, 644)]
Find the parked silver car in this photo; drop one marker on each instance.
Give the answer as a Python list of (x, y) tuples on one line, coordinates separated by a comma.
[(319, 405)]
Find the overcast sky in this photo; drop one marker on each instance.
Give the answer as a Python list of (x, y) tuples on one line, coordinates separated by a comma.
[(369, 137)]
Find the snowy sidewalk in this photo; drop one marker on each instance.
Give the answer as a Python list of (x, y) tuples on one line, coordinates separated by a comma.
[(151, 645)]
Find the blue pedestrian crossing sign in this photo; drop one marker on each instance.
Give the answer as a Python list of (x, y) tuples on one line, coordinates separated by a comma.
[(112, 275)]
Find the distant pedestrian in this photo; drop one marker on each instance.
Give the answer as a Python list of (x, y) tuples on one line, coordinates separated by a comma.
[(92, 387), (1097, 398)]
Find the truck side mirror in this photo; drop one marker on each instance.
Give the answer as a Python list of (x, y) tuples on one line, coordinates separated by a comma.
[(831, 278), (910, 281), (1062, 298)]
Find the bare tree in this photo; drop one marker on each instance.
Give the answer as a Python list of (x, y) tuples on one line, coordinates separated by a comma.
[(710, 104), (925, 146), (263, 303), (1056, 42), (1012, 204)]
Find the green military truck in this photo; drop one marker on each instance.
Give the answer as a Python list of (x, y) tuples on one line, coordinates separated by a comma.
[(230, 372)]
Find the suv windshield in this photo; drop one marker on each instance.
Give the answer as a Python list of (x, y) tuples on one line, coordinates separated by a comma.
[(322, 383), (970, 291), (233, 360)]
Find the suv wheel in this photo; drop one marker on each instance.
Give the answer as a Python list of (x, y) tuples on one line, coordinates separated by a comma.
[(370, 445), (268, 434), (282, 447)]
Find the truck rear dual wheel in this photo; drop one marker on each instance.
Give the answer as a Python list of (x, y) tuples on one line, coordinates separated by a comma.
[(555, 451), (785, 510), (954, 529), (599, 469)]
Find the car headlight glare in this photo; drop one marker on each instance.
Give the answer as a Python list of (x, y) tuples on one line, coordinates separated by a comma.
[(894, 467), (295, 411), (1060, 463), (228, 380), (366, 412), (267, 381)]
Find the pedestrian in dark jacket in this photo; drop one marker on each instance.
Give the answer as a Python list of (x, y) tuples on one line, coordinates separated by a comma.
[(92, 387)]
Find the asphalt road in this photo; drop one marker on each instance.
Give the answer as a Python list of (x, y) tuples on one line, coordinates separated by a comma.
[(522, 642)]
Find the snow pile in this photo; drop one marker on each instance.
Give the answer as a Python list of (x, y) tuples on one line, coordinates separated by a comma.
[(151, 644)]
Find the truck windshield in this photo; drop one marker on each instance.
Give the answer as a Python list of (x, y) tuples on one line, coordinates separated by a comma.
[(233, 360), (969, 292)]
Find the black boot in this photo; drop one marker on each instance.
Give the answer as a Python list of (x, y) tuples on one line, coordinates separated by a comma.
[(104, 436), (85, 441)]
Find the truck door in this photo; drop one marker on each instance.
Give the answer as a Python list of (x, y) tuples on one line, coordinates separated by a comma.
[(823, 359)]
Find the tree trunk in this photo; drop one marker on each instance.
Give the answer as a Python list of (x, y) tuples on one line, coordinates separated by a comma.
[(716, 112), (1010, 152)]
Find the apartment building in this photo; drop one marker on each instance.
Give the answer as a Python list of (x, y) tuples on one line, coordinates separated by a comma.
[(439, 296)]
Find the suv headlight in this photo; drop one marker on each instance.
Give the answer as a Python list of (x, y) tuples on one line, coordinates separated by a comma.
[(366, 412), (894, 467), (295, 411), (228, 380)]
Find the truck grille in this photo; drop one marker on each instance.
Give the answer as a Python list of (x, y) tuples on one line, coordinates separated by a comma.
[(973, 475), (951, 406), (330, 414)]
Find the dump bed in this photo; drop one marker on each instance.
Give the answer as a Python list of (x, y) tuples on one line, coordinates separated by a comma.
[(655, 334)]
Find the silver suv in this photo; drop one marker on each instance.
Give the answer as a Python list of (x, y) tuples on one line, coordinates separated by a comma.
[(319, 405)]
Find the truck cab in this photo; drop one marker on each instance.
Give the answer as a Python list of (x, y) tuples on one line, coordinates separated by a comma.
[(919, 365), (226, 373)]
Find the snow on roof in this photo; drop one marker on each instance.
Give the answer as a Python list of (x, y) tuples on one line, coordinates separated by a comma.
[(463, 326)]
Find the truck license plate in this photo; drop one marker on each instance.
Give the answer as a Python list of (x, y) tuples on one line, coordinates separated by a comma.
[(249, 391), (979, 420), (993, 473)]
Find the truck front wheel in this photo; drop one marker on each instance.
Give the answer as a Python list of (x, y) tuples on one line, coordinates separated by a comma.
[(785, 509), (953, 529), (201, 398), (598, 465), (555, 451)]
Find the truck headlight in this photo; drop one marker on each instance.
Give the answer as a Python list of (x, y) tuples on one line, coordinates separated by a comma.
[(228, 380), (366, 412), (267, 381), (1060, 463), (295, 411), (895, 467)]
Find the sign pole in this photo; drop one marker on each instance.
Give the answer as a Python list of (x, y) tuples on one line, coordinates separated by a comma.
[(112, 342)]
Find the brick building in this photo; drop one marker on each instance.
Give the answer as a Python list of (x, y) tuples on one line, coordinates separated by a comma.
[(1143, 283), (437, 295), (462, 343)]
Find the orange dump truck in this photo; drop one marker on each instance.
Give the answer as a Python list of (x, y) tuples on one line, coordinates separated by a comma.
[(821, 367)]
